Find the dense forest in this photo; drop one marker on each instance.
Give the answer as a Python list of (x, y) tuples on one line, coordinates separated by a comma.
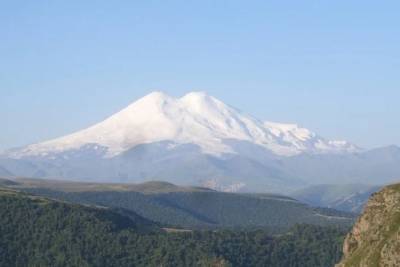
[(209, 209), (36, 231)]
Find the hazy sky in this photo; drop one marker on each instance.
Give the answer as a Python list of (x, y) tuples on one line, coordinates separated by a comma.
[(331, 66)]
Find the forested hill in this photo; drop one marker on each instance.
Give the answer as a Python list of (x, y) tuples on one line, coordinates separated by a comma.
[(37, 231), (193, 208)]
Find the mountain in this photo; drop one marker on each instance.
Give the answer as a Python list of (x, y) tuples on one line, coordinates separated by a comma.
[(196, 118), (346, 197), (375, 166), (199, 140), (37, 231), (375, 238)]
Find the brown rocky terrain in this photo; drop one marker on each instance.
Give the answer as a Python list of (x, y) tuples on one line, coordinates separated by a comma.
[(375, 238)]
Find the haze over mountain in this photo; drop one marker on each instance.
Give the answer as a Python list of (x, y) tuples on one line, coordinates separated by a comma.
[(344, 197), (199, 140)]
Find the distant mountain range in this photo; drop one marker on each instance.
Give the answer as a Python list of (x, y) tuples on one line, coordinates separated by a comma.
[(346, 197), (199, 140)]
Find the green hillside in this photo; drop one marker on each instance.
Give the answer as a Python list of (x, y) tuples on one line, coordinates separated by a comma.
[(37, 231), (194, 208)]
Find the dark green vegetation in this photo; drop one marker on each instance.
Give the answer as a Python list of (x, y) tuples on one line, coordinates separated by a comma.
[(42, 232), (194, 208), (36, 231)]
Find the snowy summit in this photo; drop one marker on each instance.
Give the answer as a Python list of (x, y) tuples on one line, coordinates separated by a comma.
[(195, 118)]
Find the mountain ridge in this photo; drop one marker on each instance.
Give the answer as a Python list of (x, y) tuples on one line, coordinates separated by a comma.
[(344, 197), (195, 118)]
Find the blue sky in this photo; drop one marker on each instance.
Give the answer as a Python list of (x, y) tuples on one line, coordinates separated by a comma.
[(331, 66)]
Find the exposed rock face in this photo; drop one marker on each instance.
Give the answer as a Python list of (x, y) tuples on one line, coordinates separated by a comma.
[(375, 238)]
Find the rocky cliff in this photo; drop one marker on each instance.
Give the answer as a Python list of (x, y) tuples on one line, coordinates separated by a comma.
[(375, 238)]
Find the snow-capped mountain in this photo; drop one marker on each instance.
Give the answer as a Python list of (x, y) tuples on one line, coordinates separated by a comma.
[(196, 118), (199, 140)]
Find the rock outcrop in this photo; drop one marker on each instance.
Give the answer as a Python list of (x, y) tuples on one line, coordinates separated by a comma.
[(375, 238)]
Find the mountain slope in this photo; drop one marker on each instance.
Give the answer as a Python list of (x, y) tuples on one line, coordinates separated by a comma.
[(375, 238), (346, 197), (37, 231), (251, 169), (190, 207), (42, 232), (361, 168), (4, 172)]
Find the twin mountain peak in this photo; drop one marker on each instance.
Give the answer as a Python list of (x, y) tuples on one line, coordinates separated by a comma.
[(195, 118)]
